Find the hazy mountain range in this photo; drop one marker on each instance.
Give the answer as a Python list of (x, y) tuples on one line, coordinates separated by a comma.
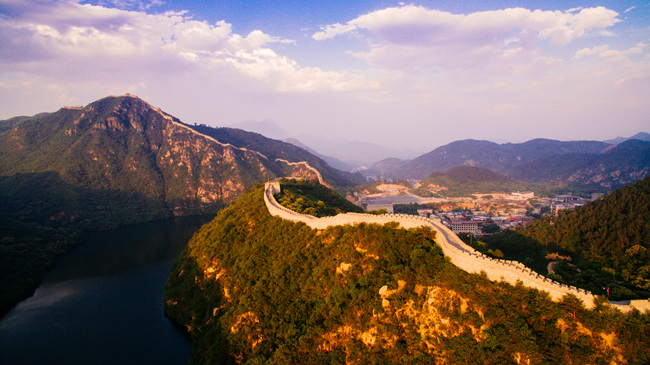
[(581, 162), (643, 136), (342, 153), (608, 164)]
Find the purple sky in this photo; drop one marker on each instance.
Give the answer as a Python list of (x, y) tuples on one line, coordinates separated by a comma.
[(407, 75)]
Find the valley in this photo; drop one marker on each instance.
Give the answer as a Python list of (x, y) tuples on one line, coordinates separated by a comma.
[(366, 182), (120, 161)]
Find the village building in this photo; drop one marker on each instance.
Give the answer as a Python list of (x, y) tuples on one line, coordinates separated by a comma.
[(460, 226)]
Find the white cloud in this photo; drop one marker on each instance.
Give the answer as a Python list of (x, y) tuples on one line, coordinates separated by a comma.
[(415, 37), (333, 30), (636, 50), (584, 52), (426, 70), (75, 41), (604, 51)]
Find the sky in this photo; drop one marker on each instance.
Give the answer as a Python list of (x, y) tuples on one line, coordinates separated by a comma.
[(408, 75)]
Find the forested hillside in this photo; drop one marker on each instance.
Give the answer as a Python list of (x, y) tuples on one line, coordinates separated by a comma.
[(27, 250), (618, 166), (252, 288), (613, 232)]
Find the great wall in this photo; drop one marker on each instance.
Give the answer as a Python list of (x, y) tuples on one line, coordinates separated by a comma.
[(460, 254)]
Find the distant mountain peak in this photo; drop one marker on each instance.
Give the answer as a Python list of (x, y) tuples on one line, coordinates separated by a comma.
[(643, 136)]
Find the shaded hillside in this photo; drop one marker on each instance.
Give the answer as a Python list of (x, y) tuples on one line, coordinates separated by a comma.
[(560, 265), (619, 165), (497, 157), (27, 251), (613, 232), (252, 288)]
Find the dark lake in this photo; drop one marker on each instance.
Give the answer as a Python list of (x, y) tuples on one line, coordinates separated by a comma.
[(102, 303)]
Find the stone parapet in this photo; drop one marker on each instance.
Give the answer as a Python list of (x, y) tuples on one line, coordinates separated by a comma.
[(460, 254)]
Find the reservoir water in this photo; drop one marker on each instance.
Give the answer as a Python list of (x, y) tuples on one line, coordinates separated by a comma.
[(102, 303)]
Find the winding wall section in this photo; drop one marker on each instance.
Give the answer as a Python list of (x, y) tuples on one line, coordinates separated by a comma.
[(460, 254)]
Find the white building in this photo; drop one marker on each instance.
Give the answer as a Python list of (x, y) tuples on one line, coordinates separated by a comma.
[(460, 226)]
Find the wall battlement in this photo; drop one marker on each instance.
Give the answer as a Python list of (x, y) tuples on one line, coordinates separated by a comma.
[(461, 255)]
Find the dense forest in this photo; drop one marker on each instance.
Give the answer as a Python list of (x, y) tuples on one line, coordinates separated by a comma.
[(252, 288), (613, 233), (310, 197)]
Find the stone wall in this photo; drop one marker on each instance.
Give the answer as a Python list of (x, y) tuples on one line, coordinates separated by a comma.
[(461, 255)]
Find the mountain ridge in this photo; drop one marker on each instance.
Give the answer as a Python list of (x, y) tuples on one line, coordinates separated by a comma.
[(597, 163), (643, 136), (491, 155), (617, 166), (118, 142)]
